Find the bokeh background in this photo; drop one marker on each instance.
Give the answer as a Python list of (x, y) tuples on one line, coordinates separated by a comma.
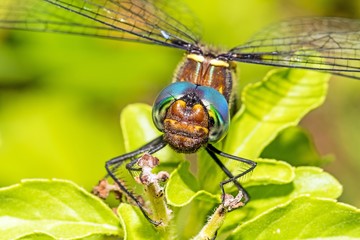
[(61, 95)]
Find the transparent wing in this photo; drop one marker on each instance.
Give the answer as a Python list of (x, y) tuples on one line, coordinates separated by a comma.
[(326, 44), (146, 21)]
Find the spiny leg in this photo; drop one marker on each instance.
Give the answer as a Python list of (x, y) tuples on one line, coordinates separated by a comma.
[(213, 152), (113, 164)]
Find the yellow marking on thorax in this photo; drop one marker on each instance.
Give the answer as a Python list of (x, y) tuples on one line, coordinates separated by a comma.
[(196, 57), (219, 63), (221, 90), (214, 62)]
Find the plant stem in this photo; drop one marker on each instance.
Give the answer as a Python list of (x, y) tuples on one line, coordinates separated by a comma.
[(153, 190), (214, 223), (158, 205)]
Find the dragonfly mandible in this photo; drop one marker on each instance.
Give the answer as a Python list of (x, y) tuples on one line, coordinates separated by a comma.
[(193, 111)]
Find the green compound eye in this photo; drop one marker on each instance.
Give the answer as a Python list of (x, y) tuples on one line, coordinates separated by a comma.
[(219, 128), (218, 110)]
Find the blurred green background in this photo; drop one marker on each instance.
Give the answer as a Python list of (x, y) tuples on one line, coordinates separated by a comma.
[(61, 95)]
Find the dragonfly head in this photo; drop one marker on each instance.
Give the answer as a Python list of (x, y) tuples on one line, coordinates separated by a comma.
[(190, 116)]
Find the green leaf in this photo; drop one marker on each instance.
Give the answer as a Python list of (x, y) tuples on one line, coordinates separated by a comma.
[(182, 188), (135, 225), (316, 182), (311, 181), (269, 171), (295, 146), (280, 100), (304, 218), (37, 236), (137, 116), (182, 181), (53, 208), (308, 181)]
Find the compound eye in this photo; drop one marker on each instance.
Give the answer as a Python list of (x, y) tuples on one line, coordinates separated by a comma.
[(219, 128), (167, 97), (218, 110)]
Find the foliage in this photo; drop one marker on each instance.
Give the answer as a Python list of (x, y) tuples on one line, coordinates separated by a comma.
[(287, 201)]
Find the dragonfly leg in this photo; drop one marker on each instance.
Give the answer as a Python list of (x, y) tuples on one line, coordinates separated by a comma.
[(213, 152), (113, 164)]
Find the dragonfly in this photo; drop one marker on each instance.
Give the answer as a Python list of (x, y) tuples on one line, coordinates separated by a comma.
[(193, 112)]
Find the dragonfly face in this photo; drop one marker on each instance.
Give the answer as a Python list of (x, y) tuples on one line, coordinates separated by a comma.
[(191, 116)]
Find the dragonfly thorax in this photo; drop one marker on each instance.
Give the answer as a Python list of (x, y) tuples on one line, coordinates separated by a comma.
[(208, 70)]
